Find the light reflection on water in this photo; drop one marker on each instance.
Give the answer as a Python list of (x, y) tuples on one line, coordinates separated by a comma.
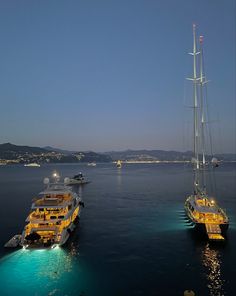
[(24, 271), (211, 260), (119, 178)]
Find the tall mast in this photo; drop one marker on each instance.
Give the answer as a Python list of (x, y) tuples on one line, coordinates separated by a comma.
[(202, 82), (195, 112)]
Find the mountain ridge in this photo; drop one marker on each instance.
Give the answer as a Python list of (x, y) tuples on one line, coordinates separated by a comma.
[(12, 151)]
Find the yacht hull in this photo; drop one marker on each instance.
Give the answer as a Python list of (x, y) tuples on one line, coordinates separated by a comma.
[(77, 182), (65, 236)]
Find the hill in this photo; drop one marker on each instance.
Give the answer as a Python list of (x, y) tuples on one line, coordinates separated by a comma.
[(24, 154), (160, 155)]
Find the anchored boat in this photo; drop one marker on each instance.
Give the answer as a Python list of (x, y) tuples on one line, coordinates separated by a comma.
[(78, 179), (92, 164), (119, 164), (32, 164), (53, 215), (14, 242), (202, 210)]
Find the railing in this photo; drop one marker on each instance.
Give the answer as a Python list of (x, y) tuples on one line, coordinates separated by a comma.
[(47, 215), (43, 228), (48, 202), (215, 220)]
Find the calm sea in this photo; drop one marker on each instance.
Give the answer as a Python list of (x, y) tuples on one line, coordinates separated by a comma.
[(133, 237)]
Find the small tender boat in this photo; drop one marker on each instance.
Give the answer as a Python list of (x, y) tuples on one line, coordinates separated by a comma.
[(78, 179), (33, 164), (14, 242)]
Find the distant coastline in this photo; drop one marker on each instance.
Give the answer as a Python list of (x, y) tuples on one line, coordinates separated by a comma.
[(15, 154), (166, 161)]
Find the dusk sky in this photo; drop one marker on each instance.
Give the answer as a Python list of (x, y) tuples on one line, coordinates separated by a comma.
[(107, 75)]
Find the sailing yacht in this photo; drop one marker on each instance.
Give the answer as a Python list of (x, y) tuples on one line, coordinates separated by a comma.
[(202, 210)]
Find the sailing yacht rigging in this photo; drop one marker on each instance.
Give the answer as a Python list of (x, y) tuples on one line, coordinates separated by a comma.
[(203, 211)]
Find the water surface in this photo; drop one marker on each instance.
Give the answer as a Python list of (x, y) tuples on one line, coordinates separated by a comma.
[(133, 237)]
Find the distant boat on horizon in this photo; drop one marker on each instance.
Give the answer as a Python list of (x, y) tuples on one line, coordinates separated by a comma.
[(118, 164), (32, 164), (91, 164)]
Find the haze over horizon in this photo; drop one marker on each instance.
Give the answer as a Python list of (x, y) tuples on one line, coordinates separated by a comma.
[(110, 75)]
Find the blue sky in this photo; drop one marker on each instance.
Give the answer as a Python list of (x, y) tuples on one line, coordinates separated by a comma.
[(110, 75)]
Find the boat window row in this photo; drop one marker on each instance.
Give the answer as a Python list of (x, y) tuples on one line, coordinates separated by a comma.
[(55, 217)]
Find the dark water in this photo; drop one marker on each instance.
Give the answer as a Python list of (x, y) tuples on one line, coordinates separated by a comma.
[(132, 239)]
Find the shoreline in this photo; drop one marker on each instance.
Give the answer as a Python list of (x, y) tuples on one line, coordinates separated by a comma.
[(9, 163)]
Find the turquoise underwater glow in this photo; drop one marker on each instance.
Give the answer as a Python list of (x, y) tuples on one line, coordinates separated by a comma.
[(43, 272)]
